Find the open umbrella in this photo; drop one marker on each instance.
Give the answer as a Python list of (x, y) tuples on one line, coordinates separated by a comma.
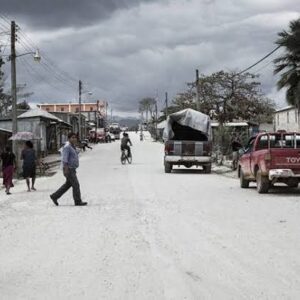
[(23, 136)]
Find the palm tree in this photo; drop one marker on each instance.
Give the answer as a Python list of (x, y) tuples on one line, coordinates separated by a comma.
[(289, 63)]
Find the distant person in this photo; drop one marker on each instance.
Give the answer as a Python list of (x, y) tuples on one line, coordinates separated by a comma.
[(8, 165), (29, 165), (124, 143), (70, 163), (84, 144), (236, 146)]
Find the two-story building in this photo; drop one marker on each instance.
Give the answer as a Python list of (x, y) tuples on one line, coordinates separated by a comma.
[(93, 111)]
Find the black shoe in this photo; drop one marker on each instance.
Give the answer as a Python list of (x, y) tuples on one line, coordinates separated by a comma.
[(81, 204), (54, 200)]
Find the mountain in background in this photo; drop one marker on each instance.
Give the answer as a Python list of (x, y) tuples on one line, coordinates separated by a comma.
[(129, 122)]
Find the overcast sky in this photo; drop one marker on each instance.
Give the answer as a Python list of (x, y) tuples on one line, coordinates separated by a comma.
[(124, 50)]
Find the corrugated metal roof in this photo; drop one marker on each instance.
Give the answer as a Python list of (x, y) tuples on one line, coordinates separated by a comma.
[(230, 124), (290, 107), (5, 130), (36, 112)]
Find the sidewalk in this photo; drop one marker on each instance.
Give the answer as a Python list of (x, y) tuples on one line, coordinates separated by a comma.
[(225, 170)]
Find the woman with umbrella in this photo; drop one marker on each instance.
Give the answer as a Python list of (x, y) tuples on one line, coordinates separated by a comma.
[(8, 165), (29, 164)]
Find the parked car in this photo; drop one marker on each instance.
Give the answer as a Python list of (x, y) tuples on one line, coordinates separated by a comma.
[(187, 137), (115, 129), (112, 137), (269, 158)]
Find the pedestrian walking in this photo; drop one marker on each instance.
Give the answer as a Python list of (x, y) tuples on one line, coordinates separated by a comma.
[(236, 146), (8, 166), (29, 165), (70, 163)]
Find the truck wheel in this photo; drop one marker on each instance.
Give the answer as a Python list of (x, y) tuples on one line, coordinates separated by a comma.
[(244, 183), (293, 183), (207, 169), (263, 183), (168, 167)]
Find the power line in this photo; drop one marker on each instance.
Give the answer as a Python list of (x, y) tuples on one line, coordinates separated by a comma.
[(264, 66), (262, 59), (37, 76), (50, 71), (31, 46)]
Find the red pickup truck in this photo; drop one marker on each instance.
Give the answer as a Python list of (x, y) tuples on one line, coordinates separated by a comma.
[(269, 158)]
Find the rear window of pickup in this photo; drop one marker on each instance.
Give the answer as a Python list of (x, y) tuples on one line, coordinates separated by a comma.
[(278, 141)]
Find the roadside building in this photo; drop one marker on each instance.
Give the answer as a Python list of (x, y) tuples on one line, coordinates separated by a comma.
[(93, 111), (287, 119), (50, 131), (4, 139)]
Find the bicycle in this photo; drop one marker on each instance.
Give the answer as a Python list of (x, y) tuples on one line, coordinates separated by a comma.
[(125, 157)]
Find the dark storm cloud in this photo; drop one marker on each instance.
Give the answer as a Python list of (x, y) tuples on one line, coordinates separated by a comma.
[(60, 13), (134, 49)]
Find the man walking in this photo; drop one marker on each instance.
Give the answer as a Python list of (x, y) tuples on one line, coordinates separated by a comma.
[(70, 163)]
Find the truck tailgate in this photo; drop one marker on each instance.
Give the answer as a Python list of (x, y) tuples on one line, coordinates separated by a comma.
[(188, 148), (286, 159)]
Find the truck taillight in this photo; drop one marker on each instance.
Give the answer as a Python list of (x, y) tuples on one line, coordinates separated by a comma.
[(167, 149), (268, 157)]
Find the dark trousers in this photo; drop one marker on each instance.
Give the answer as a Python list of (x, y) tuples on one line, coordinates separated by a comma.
[(71, 181), (126, 148)]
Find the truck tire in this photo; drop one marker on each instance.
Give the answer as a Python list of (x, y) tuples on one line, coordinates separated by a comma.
[(244, 183), (207, 169), (263, 183), (293, 183), (168, 167)]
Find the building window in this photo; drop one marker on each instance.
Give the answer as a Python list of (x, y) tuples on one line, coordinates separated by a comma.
[(91, 109), (288, 117), (77, 109), (278, 119), (47, 109), (62, 109)]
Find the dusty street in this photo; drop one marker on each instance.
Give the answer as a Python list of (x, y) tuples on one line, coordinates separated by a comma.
[(149, 235)]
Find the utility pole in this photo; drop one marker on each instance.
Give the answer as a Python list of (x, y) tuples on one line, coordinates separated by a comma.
[(13, 57), (197, 90), (96, 128), (111, 115), (156, 121), (167, 108), (79, 123), (13, 79)]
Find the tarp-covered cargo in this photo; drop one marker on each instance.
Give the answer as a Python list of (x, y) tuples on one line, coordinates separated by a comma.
[(188, 124)]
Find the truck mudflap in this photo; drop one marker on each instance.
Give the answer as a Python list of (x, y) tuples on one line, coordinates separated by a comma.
[(196, 159), (282, 173)]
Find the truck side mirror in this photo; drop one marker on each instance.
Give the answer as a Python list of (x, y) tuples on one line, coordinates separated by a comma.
[(242, 151)]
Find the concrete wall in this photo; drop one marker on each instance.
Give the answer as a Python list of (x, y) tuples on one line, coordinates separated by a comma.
[(286, 120)]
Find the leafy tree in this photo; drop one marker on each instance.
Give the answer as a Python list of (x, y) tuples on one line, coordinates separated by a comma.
[(227, 97), (289, 62), (23, 105), (5, 100)]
